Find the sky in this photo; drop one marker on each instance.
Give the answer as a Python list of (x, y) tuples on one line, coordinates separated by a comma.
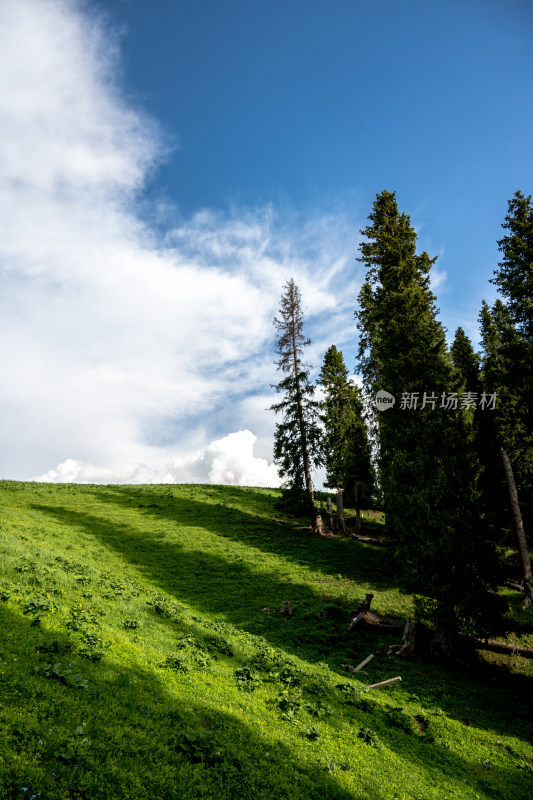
[(166, 167)]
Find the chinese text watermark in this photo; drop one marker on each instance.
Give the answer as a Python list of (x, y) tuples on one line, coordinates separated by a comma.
[(447, 400)]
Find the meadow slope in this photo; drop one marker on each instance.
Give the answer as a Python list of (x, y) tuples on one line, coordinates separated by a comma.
[(143, 657)]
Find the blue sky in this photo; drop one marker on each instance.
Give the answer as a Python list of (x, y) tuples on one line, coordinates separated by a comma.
[(324, 106), (166, 166)]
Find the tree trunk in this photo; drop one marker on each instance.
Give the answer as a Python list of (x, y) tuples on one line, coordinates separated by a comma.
[(357, 511), (443, 645), (519, 526), (330, 512), (340, 511)]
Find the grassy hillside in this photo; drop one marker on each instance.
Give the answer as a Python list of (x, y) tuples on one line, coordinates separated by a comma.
[(143, 656)]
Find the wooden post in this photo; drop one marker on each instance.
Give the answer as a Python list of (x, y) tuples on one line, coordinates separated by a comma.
[(383, 683), (363, 663), (340, 511)]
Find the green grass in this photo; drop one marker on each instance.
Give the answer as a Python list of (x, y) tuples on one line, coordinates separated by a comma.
[(143, 656)]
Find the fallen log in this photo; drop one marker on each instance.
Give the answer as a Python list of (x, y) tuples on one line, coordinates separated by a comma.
[(518, 586), (503, 647), (366, 539), (418, 640)]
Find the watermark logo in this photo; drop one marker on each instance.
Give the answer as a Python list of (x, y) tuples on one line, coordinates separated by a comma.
[(448, 400), (384, 400)]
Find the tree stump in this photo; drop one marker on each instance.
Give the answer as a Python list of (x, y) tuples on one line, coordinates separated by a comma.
[(286, 609)]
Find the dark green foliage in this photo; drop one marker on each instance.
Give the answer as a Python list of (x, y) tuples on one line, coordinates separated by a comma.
[(368, 736), (291, 675), (5, 594), (289, 704), (311, 732), (92, 647), (54, 646), (466, 362), (345, 443), (295, 501), (492, 486), (399, 718), (198, 746), (335, 410), (219, 646), (56, 670), (73, 748), (318, 708), (39, 605), (195, 653), (507, 339), (514, 276), (80, 616), (164, 607), (175, 662), (247, 679), (429, 466)]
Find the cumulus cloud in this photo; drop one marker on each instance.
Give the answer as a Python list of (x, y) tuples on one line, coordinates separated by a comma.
[(128, 356), (229, 460)]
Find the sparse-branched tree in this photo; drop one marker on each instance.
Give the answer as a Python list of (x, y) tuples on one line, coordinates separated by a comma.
[(297, 439)]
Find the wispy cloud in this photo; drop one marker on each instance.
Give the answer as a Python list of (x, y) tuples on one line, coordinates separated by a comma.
[(128, 356)]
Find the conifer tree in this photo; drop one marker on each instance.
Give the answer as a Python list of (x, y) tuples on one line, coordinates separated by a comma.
[(507, 338), (297, 438), (335, 411), (347, 455), (514, 318), (466, 361), (428, 461)]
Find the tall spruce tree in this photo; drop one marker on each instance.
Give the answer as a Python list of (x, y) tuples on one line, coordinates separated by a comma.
[(428, 462), (335, 411), (347, 454), (297, 447), (514, 279), (507, 339)]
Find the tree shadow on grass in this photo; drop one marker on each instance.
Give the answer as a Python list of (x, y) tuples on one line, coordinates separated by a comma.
[(215, 583), (138, 740), (265, 529), (224, 586), (145, 742)]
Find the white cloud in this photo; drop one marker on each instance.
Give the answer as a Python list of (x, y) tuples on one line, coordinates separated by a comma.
[(229, 460), (122, 352)]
